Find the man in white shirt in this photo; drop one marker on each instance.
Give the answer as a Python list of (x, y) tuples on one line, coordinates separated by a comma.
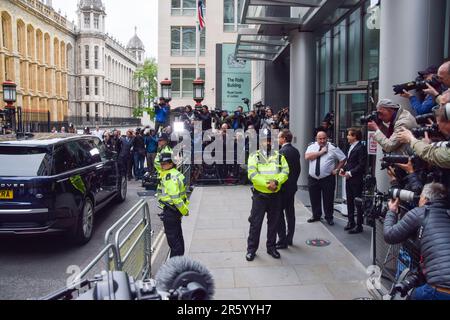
[(322, 157)]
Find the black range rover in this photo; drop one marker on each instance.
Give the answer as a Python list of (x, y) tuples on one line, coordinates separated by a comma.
[(56, 183)]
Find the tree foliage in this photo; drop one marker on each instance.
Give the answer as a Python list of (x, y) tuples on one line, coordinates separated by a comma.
[(146, 76)]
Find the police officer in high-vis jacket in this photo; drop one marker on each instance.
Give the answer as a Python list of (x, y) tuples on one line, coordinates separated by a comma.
[(268, 172), (163, 147), (172, 199)]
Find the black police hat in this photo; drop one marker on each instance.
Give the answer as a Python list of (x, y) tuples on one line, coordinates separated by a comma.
[(165, 157), (164, 137)]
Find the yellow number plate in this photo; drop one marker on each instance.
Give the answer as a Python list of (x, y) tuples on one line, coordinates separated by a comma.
[(6, 195)]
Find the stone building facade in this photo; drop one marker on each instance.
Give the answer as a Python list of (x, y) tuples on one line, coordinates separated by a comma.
[(78, 73)]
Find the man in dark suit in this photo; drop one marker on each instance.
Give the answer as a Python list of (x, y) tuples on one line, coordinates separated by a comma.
[(288, 190), (353, 172)]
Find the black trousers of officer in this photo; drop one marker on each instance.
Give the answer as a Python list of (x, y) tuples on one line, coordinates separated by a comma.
[(174, 232), (288, 210), (322, 189), (354, 189), (263, 203)]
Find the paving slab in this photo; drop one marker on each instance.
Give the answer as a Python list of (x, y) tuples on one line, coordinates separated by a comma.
[(216, 235)]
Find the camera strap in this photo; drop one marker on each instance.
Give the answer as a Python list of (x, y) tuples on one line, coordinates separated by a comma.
[(424, 223)]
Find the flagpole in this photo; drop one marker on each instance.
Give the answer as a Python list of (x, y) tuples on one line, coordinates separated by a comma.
[(197, 49)]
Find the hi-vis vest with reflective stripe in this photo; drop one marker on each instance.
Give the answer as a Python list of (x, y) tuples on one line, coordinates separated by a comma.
[(262, 170), (157, 164), (172, 191)]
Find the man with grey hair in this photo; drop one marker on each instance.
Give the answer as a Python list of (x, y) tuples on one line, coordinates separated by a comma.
[(429, 224), (393, 118)]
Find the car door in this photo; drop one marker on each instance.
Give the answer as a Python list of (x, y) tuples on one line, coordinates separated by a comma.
[(111, 179), (95, 169)]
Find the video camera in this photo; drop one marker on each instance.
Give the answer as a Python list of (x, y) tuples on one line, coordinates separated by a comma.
[(373, 117), (419, 84), (425, 118)]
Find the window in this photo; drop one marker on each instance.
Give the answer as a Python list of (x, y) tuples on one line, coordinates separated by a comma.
[(182, 79), (96, 57), (87, 20), (96, 21), (86, 56), (232, 10), (88, 112), (87, 86), (183, 41), (96, 111), (184, 7), (24, 161), (354, 45), (371, 49), (63, 160), (96, 86)]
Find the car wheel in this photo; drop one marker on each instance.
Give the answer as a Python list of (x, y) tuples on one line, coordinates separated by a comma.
[(123, 189), (85, 226)]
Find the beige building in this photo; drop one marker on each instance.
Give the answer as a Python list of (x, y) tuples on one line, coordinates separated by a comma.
[(177, 46), (78, 73)]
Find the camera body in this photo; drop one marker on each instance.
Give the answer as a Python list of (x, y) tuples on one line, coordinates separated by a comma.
[(431, 130), (419, 84), (373, 117)]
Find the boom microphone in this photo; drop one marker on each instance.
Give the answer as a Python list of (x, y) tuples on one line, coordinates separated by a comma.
[(187, 279)]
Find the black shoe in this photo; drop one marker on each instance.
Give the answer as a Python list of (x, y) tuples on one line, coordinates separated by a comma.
[(282, 246), (350, 226), (330, 222), (357, 230), (290, 243), (274, 253), (250, 257), (312, 220)]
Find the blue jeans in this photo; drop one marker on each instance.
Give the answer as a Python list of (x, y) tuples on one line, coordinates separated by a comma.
[(427, 292), (139, 160)]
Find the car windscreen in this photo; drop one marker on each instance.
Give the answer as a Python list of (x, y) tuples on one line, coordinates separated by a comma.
[(18, 161)]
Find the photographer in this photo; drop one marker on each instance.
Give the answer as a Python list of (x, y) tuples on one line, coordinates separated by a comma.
[(430, 224), (267, 121), (237, 120), (443, 76), (423, 103), (438, 156), (392, 118), (162, 111), (188, 117), (205, 116), (252, 120)]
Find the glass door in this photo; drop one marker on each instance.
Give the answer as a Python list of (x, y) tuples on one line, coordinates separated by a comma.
[(351, 106)]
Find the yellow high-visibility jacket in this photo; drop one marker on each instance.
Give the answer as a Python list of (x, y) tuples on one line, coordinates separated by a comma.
[(172, 191), (262, 170)]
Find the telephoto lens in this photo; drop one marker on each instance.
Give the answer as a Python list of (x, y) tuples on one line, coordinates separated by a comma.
[(403, 195)]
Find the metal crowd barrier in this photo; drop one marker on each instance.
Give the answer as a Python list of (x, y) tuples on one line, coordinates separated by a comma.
[(127, 244)]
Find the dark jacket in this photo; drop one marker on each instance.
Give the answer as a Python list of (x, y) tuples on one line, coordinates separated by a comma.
[(125, 150), (139, 145), (435, 242), (292, 156), (356, 162)]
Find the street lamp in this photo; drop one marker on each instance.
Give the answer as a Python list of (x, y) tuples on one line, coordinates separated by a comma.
[(9, 93), (199, 91), (9, 97), (166, 90)]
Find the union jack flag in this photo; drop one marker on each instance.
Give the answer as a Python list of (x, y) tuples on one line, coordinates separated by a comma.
[(201, 17)]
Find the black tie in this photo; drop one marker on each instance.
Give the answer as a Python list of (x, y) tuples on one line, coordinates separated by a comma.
[(318, 165)]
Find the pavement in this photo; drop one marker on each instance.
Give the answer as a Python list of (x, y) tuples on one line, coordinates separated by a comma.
[(34, 266), (216, 235), (359, 245)]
